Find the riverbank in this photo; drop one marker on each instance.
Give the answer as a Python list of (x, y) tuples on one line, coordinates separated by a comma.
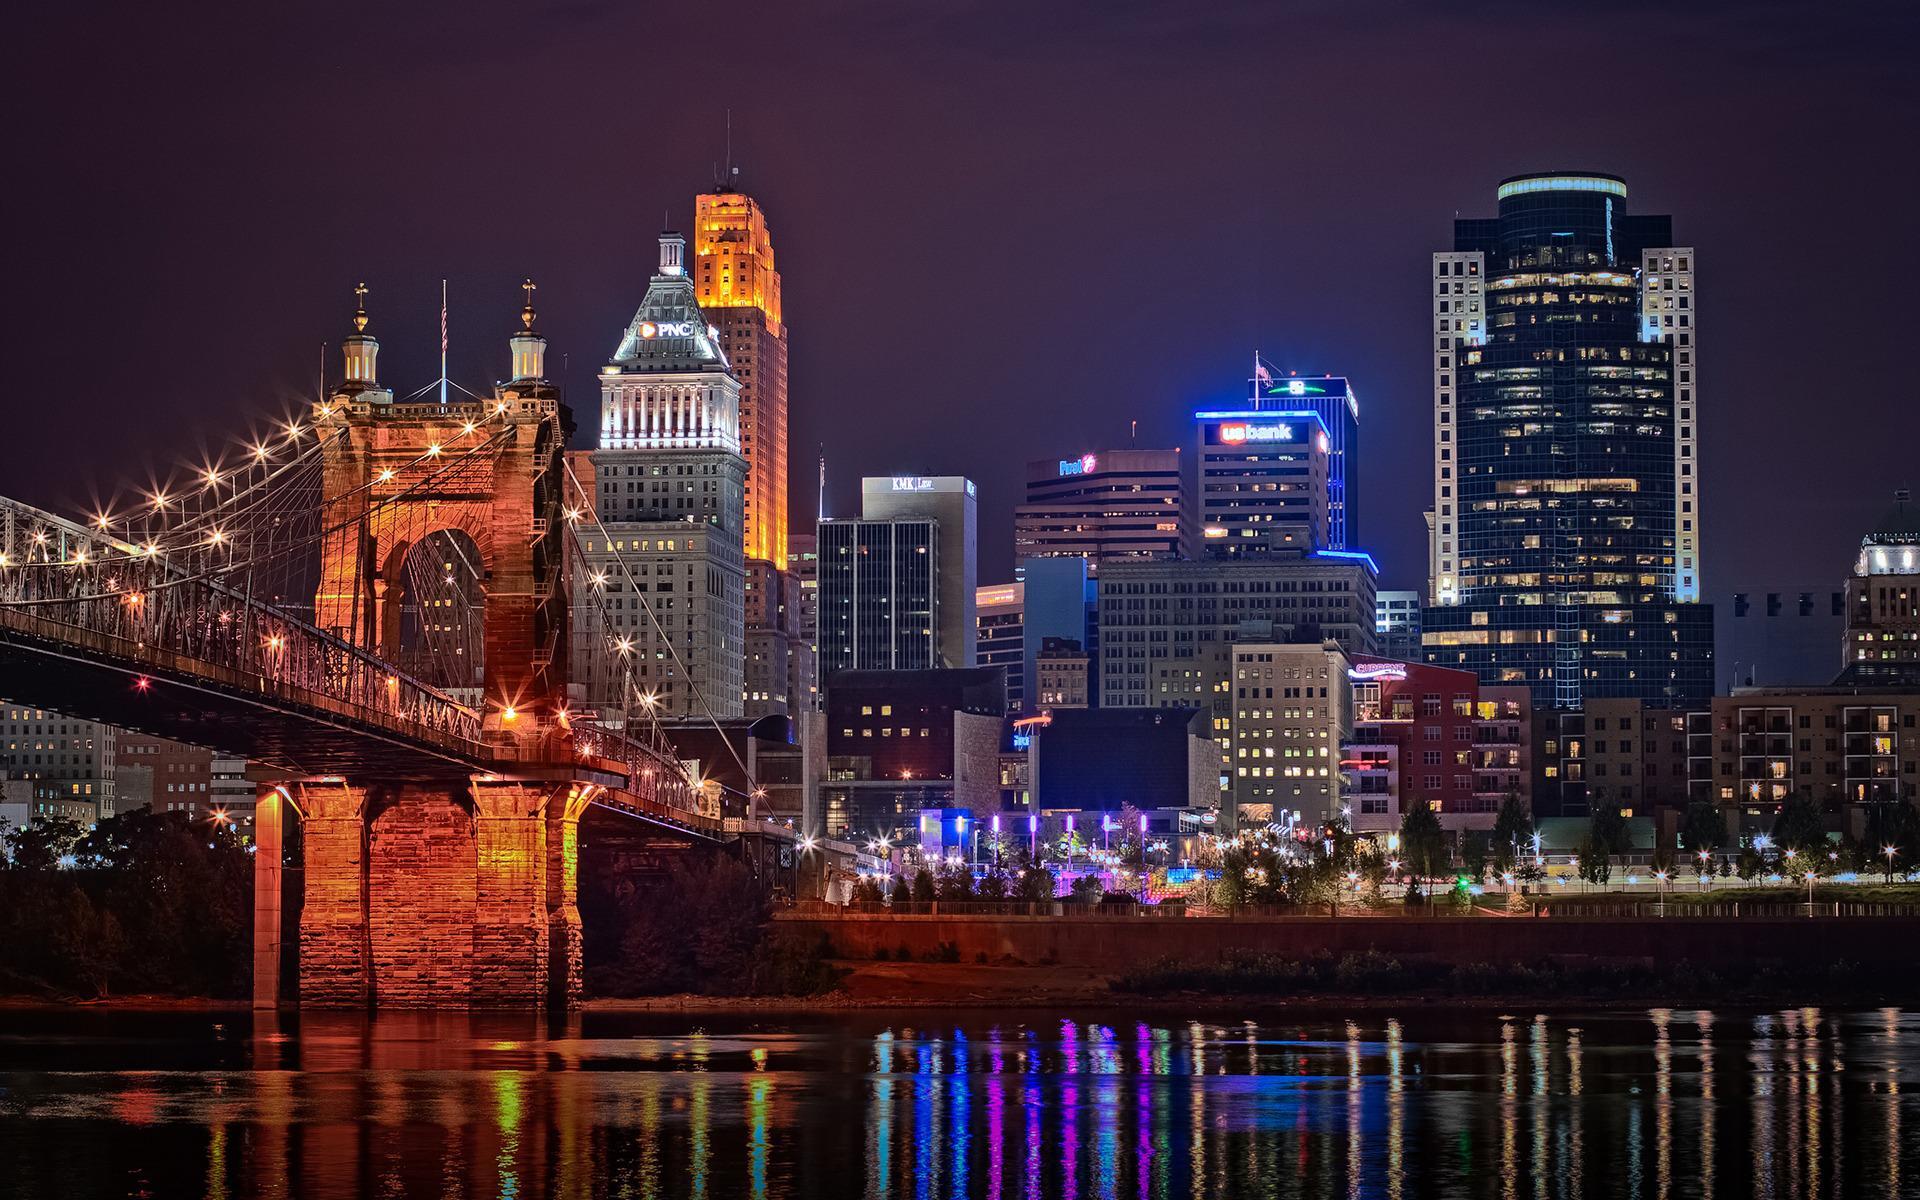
[(182, 1004)]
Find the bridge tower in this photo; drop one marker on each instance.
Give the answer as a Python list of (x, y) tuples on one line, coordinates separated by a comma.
[(454, 885), (490, 470)]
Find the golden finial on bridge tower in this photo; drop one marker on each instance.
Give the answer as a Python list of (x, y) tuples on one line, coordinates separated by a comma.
[(360, 308), (526, 314)]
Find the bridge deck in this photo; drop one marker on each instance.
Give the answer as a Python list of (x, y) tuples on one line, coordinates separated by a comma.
[(101, 677)]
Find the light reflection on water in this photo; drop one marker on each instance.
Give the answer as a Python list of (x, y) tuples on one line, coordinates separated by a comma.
[(1800, 1103)]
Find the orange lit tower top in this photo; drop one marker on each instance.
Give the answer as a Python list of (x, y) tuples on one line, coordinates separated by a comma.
[(739, 290)]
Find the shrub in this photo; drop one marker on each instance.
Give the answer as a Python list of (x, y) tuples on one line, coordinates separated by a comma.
[(150, 903), (1036, 883), (954, 882)]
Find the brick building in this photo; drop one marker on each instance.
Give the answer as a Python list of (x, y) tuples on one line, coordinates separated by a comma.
[(1439, 735)]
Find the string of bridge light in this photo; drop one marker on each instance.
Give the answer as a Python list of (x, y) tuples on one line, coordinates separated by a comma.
[(599, 580), (150, 553), (151, 549)]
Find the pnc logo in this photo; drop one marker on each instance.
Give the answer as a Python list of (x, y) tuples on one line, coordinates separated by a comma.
[(651, 329)]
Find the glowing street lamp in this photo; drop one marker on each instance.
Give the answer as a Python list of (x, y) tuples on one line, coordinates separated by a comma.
[(1889, 851)]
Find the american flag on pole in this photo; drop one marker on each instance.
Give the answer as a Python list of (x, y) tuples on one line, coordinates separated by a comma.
[(1260, 372)]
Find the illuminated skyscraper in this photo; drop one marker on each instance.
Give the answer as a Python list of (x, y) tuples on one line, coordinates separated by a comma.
[(667, 483), (739, 291), (1566, 510)]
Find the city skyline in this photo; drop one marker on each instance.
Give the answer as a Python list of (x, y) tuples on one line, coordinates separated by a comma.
[(1330, 279), (509, 687)]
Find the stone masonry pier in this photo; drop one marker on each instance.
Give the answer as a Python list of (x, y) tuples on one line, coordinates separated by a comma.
[(422, 895)]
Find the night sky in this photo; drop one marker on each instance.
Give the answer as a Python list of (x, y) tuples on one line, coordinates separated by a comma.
[(1005, 229)]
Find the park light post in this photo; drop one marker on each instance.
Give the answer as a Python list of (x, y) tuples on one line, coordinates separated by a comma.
[(1143, 858), (1889, 852), (1660, 888)]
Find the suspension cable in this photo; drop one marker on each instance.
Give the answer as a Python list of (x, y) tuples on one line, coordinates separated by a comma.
[(592, 512)]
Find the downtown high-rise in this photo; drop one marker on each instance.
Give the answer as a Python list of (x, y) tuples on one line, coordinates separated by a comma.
[(1565, 527), (663, 566)]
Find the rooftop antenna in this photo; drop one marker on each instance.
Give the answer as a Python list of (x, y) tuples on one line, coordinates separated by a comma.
[(443, 343), (820, 508)]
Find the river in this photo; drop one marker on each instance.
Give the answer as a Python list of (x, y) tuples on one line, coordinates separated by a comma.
[(936, 1103)]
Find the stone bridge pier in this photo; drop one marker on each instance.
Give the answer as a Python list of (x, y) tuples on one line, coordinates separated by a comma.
[(460, 894)]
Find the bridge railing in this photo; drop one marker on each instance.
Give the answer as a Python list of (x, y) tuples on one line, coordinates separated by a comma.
[(145, 611)]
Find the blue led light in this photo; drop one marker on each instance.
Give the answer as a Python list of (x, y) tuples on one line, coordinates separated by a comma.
[(1356, 555), (1263, 414)]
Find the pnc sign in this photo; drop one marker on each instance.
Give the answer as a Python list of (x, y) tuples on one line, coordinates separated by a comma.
[(653, 329), (1235, 433)]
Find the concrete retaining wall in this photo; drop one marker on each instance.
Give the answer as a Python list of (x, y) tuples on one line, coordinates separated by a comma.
[(1114, 943)]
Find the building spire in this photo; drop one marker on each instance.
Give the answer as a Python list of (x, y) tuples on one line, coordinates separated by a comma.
[(526, 314), (360, 307)]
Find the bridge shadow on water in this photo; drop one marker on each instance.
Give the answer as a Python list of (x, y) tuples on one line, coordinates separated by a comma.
[(961, 1103)]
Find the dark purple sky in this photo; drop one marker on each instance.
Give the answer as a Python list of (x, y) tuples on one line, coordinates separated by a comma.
[(1006, 229)]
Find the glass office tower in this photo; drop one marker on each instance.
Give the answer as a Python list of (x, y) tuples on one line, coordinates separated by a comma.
[(1565, 521)]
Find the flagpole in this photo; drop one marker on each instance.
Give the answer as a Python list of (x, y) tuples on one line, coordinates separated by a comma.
[(443, 343)]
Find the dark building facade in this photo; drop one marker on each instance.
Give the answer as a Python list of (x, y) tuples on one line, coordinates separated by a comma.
[(1566, 521), (901, 741), (879, 591), (1089, 760)]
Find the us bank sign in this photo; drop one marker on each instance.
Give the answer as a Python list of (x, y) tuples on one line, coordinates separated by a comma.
[(1234, 433)]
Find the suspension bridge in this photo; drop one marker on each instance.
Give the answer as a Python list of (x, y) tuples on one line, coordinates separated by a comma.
[(376, 604)]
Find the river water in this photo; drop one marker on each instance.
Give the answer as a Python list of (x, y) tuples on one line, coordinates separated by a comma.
[(929, 1103)]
